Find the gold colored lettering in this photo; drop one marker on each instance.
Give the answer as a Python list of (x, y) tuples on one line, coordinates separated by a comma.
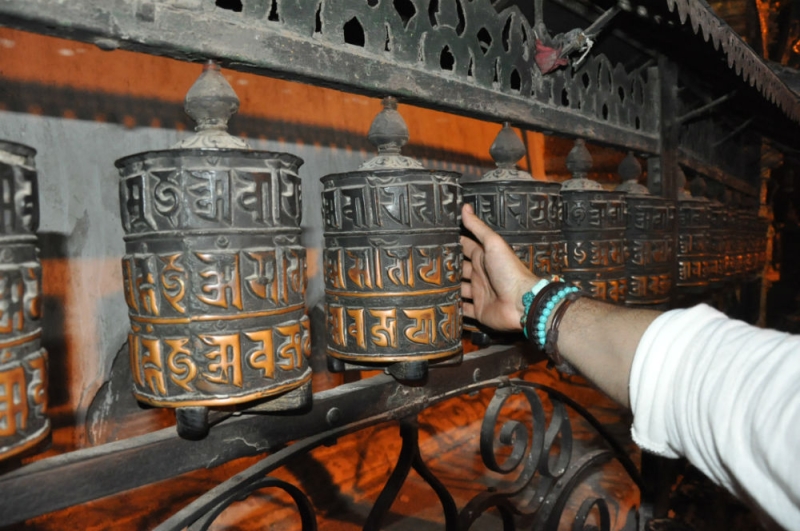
[(179, 360), (401, 272), (127, 282), (452, 264), (173, 281), (359, 272), (578, 254), (334, 276), (133, 353), (263, 356), (38, 384), (262, 281), (146, 285), (306, 324), (525, 253), (384, 334), (153, 366), (336, 325), (222, 288), (227, 359), (294, 279), (378, 270), (599, 289), (356, 328), (430, 270), (449, 325), (616, 290), (423, 331), (290, 351), (12, 311), (13, 401), (33, 291)]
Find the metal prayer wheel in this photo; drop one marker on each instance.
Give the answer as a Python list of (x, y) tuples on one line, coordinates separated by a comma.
[(23, 362), (729, 223), (392, 259), (593, 228), (214, 270), (525, 212), (693, 234), (649, 239), (717, 243)]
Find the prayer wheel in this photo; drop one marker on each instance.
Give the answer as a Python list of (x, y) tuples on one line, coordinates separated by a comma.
[(717, 243), (593, 228), (525, 212), (23, 362), (693, 233), (649, 239), (392, 259), (729, 222), (214, 270)]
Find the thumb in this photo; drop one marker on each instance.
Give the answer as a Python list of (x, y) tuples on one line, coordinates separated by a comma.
[(473, 224)]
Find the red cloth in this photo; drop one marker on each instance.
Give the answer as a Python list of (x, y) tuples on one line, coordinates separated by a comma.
[(548, 59)]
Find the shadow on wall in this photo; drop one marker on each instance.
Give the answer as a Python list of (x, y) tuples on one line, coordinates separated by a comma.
[(71, 103)]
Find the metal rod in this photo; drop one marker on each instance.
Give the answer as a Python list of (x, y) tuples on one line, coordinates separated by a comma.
[(705, 108)]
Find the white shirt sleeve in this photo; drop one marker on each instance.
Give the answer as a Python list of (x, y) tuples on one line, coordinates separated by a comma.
[(726, 395)]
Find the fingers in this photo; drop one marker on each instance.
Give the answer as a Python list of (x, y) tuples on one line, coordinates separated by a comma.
[(466, 290), (466, 271), (470, 248), (468, 309), (477, 227)]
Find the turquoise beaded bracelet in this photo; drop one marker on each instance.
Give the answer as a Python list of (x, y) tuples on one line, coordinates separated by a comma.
[(547, 310), (527, 300)]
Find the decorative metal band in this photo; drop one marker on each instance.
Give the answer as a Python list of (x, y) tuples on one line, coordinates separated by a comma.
[(385, 329), (23, 363), (390, 201), (593, 228), (231, 400), (214, 276), (392, 266), (23, 401), (202, 364), (527, 214), (209, 189), (649, 249)]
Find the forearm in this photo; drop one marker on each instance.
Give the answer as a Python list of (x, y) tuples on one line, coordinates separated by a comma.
[(600, 341)]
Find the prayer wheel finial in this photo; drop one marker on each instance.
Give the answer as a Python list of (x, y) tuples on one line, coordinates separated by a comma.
[(630, 170), (506, 150), (579, 162), (389, 133), (210, 102)]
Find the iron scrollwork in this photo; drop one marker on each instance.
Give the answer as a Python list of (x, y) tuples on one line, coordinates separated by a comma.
[(542, 455)]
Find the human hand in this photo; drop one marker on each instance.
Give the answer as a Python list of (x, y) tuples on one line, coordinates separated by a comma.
[(494, 278)]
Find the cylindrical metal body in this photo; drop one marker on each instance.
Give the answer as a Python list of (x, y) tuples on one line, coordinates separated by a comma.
[(23, 363), (649, 249), (215, 275), (729, 223), (739, 242), (593, 227), (527, 214), (392, 264), (717, 243), (693, 232), (761, 236)]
